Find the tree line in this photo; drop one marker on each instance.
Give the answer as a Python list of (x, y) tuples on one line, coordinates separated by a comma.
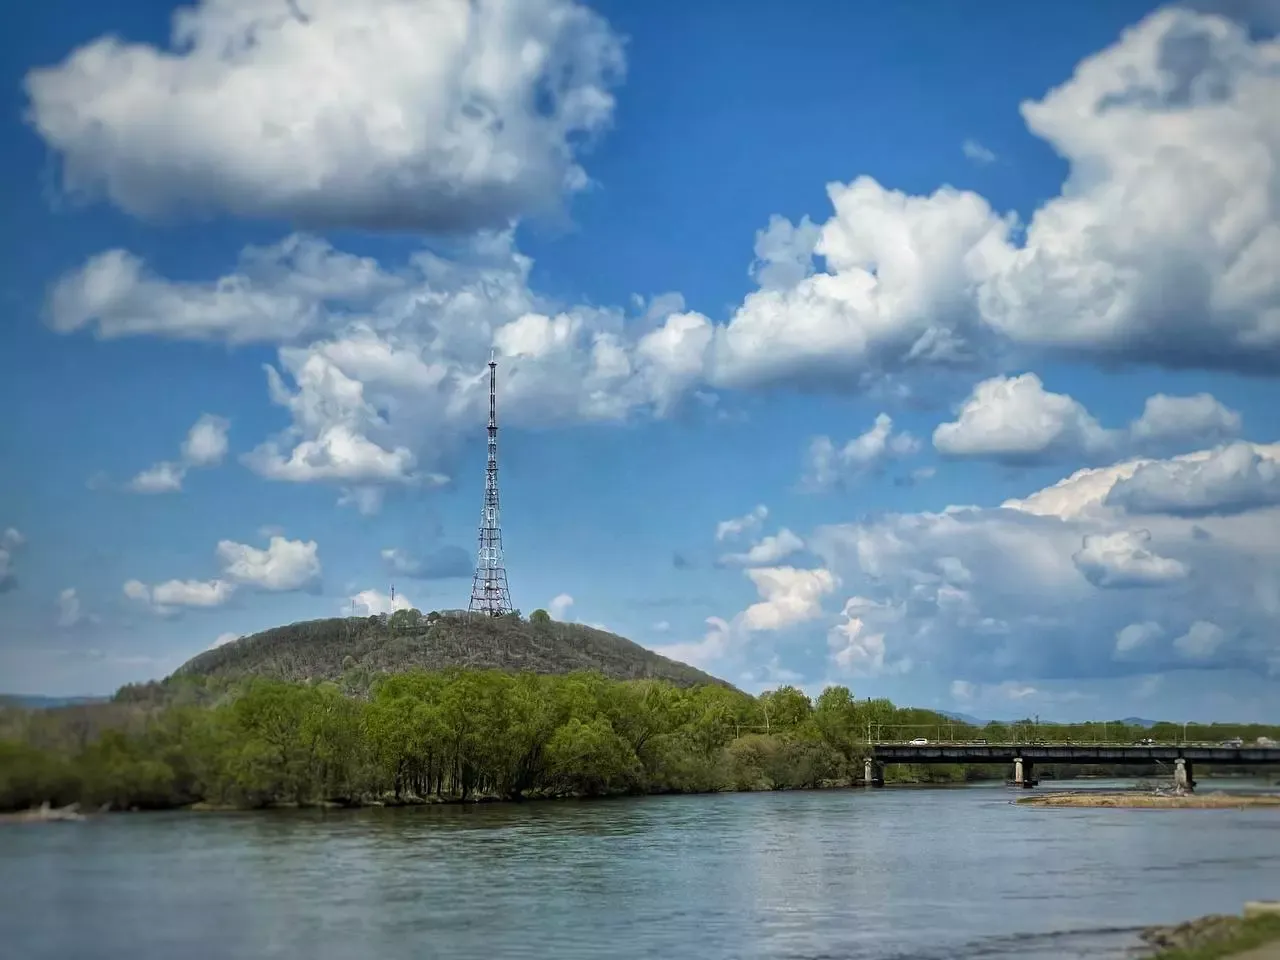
[(428, 736)]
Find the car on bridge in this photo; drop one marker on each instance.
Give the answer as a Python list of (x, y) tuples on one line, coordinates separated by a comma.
[(919, 742)]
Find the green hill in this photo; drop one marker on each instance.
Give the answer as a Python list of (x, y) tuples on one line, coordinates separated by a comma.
[(358, 649)]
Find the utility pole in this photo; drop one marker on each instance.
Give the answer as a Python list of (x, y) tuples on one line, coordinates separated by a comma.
[(489, 593)]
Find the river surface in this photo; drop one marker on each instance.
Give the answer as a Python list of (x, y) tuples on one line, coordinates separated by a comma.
[(941, 874)]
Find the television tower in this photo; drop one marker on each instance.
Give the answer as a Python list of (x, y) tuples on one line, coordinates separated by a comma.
[(489, 593)]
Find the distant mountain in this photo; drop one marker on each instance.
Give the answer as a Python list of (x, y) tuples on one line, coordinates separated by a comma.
[(366, 647), (962, 718), (1138, 722), (37, 702)]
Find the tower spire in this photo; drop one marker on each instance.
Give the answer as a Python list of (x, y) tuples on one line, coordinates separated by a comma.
[(489, 593)]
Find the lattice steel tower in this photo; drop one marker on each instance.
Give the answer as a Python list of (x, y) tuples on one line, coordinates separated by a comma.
[(489, 593)]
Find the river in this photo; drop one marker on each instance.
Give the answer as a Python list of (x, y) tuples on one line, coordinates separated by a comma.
[(928, 874)]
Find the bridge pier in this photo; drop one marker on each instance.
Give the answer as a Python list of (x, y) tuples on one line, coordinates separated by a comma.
[(1183, 775), (872, 773), (1023, 773)]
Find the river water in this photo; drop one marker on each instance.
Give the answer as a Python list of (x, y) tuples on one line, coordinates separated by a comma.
[(941, 874)]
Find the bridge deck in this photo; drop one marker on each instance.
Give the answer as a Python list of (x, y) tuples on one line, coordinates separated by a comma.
[(969, 752)]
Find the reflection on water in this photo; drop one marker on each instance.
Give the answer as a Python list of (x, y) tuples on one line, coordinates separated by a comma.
[(838, 874)]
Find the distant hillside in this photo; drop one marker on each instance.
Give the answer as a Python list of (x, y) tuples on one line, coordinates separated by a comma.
[(38, 702), (361, 648), (962, 718)]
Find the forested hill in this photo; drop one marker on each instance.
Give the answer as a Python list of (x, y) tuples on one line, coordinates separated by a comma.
[(356, 650)]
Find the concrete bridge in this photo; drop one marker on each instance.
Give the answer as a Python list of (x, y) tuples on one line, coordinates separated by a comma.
[(1024, 756)]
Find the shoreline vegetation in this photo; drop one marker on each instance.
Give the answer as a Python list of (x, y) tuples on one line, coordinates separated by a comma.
[(1218, 937), (468, 735)]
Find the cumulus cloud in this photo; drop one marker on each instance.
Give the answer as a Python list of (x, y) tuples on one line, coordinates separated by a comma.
[(10, 542), (745, 525), (1122, 559), (370, 603), (277, 293), (1200, 641), (206, 442), (173, 596), (1029, 590), (1136, 636), (714, 645), (69, 608), (1016, 421), (1229, 480), (1199, 419), (284, 565), (204, 446), (1158, 249), (788, 596), (441, 563), (827, 465), (858, 650), (768, 551), (438, 116), (559, 606)]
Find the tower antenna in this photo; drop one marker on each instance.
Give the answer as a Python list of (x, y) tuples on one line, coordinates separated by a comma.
[(489, 593)]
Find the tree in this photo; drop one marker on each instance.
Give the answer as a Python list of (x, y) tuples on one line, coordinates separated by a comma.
[(540, 617)]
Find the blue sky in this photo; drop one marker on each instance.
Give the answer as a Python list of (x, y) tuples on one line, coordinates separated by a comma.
[(889, 272)]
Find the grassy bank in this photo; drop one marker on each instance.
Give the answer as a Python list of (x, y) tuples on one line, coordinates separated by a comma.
[(1210, 938), (1193, 801)]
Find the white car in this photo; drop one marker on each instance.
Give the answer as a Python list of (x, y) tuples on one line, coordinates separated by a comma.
[(919, 742)]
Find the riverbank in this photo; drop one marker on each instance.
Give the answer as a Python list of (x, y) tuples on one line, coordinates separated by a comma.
[(1160, 801), (1253, 936)]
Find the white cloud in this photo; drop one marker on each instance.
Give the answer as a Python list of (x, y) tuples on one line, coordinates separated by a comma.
[(1136, 636), (857, 650), (10, 542), (1122, 559), (437, 116), (996, 594), (1162, 247), (204, 446), (1232, 479), (369, 603), (1199, 419), (206, 442), (713, 647), (163, 477), (284, 565), (826, 465), (1015, 420), (768, 551), (742, 526), (963, 690), (1201, 640), (788, 596), (169, 598), (559, 606), (977, 152), (69, 608), (276, 294), (1158, 249)]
